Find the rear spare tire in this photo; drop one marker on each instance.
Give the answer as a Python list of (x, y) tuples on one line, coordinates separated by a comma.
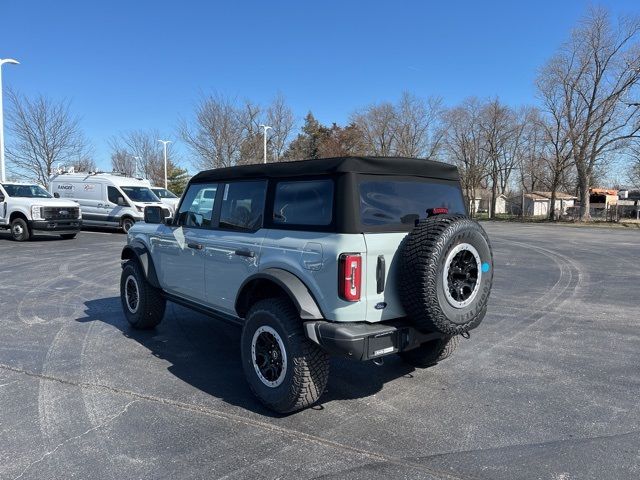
[(446, 272)]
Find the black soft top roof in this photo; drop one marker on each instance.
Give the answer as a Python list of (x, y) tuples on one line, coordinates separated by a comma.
[(368, 165)]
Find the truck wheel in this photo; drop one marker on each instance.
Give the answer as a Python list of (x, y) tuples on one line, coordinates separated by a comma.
[(285, 370), (430, 353), (127, 223), (446, 272), (20, 230), (143, 304), (68, 236)]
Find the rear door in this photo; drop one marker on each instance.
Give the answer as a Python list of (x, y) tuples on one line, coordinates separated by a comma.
[(233, 249), (389, 208)]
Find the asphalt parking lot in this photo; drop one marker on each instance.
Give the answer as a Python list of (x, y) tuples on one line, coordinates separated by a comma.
[(547, 388)]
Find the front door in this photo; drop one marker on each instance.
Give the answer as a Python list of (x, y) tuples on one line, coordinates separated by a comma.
[(180, 248), (232, 251)]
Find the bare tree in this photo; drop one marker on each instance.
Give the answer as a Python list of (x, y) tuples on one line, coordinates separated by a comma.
[(216, 133), (122, 161), (464, 147), (594, 74), (138, 152), (281, 119), (377, 123), (417, 129), (497, 125), (44, 134)]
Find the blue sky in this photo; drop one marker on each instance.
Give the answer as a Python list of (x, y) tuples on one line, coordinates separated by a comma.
[(143, 64)]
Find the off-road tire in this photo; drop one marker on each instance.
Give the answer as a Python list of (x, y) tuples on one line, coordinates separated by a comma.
[(423, 256), (20, 230), (307, 371), (430, 353), (68, 236), (151, 302), (126, 224)]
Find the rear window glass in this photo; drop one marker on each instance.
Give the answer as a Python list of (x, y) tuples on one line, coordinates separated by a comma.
[(400, 202), (307, 202)]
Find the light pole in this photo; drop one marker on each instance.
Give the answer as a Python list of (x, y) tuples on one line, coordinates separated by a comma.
[(2, 168), (266, 127), (138, 160), (164, 142)]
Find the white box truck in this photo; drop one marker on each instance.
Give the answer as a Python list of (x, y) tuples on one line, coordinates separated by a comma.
[(107, 199)]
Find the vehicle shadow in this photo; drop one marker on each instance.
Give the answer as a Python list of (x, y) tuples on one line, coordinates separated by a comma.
[(205, 353)]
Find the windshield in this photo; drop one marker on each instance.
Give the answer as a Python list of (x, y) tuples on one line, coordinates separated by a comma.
[(28, 191), (163, 193), (140, 194)]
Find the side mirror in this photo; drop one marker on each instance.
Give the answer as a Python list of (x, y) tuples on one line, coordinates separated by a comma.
[(153, 214), (1, 197), (56, 195), (122, 202)]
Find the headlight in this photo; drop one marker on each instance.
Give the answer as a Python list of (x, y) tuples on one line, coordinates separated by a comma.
[(140, 209), (79, 213), (36, 212)]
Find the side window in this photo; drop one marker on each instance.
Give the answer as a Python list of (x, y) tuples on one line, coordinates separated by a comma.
[(113, 194), (303, 203), (243, 205), (196, 209)]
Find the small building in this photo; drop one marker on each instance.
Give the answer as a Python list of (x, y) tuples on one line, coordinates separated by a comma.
[(563, 201), (536, 205), (602, 198), (482, 202)]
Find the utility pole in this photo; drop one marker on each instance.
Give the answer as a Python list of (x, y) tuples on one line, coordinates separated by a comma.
[(266, 127), (3, 174), (164, 143)]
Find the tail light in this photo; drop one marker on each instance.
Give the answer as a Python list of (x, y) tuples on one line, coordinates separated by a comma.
[(350, 276)]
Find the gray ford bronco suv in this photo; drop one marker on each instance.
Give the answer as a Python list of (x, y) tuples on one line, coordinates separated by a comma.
[(358, 257)]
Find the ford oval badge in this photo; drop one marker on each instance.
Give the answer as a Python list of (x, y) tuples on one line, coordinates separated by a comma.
[(381, 305)]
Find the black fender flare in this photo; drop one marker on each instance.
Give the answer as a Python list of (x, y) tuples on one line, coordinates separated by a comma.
[(291, 284), (138, 251)]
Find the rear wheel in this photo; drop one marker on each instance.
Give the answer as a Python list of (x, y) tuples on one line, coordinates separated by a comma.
[(143, 304), (284, 369), (20, 230), (430, 353)]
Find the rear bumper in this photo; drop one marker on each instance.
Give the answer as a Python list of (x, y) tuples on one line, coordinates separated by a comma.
[(56, 226), (366, 341)]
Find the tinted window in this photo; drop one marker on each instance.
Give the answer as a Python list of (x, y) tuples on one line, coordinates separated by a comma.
[(28, 191), (113, 194), (303, 203), (140, 194), (243, 205), (398, 202), (196, 209)]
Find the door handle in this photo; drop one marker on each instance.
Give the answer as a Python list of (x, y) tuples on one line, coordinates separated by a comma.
[(380, 274), (195, 246), (246, 253)]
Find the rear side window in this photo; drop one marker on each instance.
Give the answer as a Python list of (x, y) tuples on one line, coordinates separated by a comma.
[(303, 203), (243, 205), (402, 202), (196, 210)]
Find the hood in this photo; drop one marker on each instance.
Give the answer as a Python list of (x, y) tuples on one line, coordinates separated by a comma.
[(48, 202)]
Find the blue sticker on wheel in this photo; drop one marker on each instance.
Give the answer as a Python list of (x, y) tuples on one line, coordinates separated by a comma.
[(485, 267)]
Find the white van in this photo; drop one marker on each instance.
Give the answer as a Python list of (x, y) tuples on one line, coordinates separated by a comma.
[(107, 199)]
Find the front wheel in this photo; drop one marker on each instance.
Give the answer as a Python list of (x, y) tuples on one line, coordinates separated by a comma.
[(143, 304), (285, 370), (127, 223), (20, 230)]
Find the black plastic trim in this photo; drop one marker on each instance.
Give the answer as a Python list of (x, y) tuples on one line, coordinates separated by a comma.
[(297, 291), (139, 251), (365, 341)]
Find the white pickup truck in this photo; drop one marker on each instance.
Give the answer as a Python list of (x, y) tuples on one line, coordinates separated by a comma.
[(27, 209)]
